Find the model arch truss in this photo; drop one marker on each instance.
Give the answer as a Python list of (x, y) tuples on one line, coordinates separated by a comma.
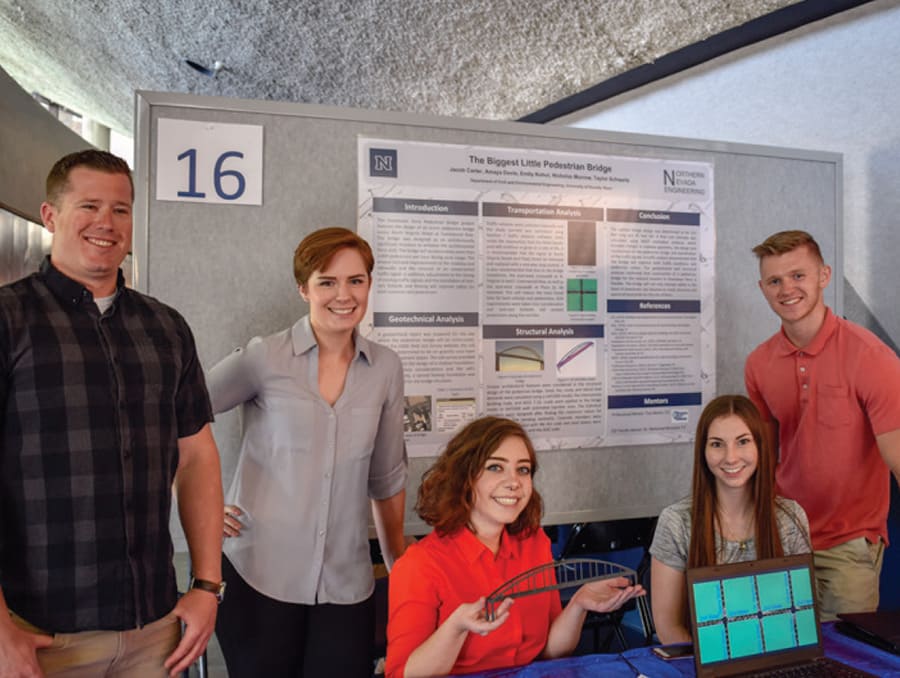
[(560, 574)]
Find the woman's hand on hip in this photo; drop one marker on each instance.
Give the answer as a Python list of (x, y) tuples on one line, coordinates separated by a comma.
[(233, 526)]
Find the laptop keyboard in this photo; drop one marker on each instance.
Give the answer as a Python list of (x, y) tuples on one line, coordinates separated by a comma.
[(823, 667)]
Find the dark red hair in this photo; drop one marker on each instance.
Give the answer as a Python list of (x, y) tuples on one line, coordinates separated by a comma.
[(316, 250), (446, 495)]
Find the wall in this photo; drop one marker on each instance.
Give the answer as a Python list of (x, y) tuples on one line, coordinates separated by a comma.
[(829, 86), (22, 247), (227, 267), (32, 140)]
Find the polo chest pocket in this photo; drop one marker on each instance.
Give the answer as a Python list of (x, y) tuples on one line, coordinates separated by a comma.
[(834, 405)]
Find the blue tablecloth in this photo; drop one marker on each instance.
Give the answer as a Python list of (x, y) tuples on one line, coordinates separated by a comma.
[(628, 664), (859, 654), (612, 665)]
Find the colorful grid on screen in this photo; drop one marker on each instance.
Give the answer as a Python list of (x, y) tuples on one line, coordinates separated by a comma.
[(754, 614)]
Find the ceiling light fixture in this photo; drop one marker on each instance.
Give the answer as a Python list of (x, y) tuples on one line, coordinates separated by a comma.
[(200, 68)]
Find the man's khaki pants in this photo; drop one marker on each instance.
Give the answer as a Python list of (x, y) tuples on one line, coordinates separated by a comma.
[(847, 577), (139, 653)]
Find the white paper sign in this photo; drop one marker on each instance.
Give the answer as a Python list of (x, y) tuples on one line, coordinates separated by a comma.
[(209, 162)]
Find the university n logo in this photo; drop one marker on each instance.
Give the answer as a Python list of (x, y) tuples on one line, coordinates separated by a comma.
[(383, 162)]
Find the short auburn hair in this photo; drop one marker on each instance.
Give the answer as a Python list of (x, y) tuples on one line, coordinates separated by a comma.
[(787, 241), (315, 251), (58, 178), (446, 495)]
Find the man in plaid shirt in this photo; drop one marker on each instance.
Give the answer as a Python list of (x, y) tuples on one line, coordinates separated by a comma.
[(103, 407)]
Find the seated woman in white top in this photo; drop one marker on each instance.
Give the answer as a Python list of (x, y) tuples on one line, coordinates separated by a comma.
[(732, 514)]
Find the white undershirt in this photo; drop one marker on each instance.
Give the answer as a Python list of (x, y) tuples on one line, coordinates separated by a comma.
[(104, 303)]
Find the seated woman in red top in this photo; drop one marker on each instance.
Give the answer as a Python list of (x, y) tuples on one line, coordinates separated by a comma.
[(486, 515)]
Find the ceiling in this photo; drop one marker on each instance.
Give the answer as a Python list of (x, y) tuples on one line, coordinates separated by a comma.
[(499, 59)]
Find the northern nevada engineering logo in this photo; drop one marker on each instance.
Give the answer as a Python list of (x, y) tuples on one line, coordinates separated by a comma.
[(383, 162), (684, 181)]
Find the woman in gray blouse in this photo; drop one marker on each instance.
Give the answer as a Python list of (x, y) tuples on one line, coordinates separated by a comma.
[(732, 514), (322, 434)]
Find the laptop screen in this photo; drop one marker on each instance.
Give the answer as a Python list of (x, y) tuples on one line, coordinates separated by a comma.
[(752, 616)]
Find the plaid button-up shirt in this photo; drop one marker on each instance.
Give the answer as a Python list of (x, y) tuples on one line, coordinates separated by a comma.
[(92, 409)]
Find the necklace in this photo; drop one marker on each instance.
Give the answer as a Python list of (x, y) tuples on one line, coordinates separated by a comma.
[(739, 532)]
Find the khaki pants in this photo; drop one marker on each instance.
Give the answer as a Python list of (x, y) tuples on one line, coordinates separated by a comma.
[(847, 577), (139, 653)]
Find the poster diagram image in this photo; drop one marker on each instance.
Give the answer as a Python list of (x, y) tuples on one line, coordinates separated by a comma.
[(416, 413), (519, 356), (581, 239), (576, 358), (581, 294), (454, 413)]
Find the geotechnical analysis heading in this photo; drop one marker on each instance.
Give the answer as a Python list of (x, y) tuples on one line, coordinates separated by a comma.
[(425, 319)]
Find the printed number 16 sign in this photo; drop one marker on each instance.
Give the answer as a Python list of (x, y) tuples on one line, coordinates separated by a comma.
[(209, 162)]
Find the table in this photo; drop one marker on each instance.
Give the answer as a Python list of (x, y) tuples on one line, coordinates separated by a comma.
[(837, 646)]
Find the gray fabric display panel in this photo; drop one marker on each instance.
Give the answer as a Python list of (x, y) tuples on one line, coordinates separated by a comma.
[(228, 268)]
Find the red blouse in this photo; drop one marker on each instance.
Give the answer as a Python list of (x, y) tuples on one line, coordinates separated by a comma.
[(439, 573)]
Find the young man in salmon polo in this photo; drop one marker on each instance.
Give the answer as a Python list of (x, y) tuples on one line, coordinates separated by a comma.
[(830, 391)]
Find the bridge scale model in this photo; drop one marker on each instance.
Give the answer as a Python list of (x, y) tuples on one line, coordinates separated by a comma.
[(560, 574)]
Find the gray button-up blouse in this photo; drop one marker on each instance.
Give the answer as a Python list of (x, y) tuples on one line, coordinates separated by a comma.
[(307, 470)]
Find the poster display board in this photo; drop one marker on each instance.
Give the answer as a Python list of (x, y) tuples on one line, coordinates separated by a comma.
[(571, 292), (600, 277)]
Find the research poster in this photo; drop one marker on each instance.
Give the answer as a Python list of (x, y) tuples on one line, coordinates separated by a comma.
[(571, 292)]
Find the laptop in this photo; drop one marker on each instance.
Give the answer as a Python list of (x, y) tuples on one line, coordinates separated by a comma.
[(881, 629), (751, 618)]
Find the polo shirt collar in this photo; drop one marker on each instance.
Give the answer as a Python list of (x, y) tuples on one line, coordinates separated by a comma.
[(68, 291), (303, 340), (472, 548), (829, 325)]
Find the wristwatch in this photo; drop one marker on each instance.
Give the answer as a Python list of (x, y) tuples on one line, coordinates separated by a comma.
[(218, 590)]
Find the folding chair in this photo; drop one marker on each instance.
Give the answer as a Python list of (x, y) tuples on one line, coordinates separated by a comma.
[(599, 540)]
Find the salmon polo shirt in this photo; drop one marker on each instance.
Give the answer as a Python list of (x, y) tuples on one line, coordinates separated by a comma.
[(831, 399), (439, 573)]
